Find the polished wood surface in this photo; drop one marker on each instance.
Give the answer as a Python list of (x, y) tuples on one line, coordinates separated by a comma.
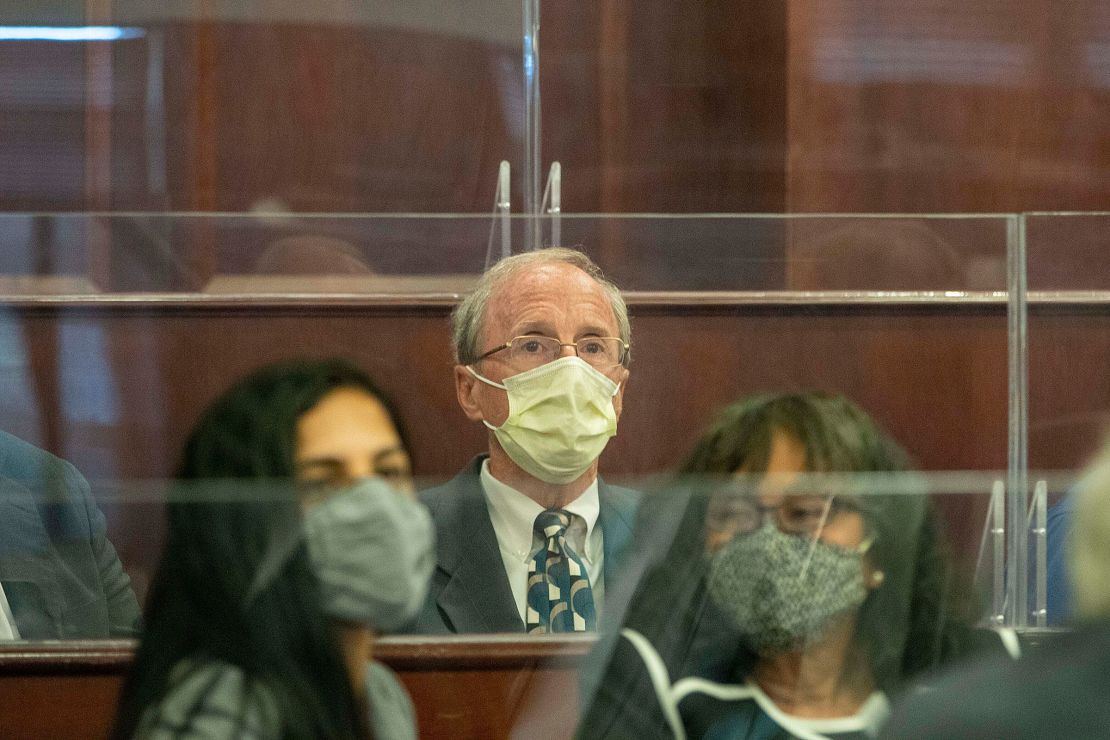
[(462, 687), (947, 106), (838, 105)]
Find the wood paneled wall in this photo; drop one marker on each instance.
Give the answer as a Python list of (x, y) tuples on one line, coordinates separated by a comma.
[(923, 371), (948, 106), (935, 376), (798, 106)]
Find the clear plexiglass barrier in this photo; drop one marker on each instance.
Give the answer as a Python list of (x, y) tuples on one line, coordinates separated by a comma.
[(232, 239), (172, 404), (943, 256), (119, 329)]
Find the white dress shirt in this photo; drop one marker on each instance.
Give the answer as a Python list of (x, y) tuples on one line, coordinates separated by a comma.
[(513, 516), (8, 630)]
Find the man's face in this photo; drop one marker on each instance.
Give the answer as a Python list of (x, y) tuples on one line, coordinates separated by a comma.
[(554, 300)]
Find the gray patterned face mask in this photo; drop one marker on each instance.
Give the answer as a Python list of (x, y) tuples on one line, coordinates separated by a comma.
[(783, 591)]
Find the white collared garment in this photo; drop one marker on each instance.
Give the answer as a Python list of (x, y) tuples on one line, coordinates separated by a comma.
[(867, 720), (8, 629), (513, 515)]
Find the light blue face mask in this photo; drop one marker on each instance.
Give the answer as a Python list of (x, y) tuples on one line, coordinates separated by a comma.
[(373, 551)]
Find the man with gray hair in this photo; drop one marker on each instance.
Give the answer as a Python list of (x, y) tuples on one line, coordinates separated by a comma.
[(528, 534)]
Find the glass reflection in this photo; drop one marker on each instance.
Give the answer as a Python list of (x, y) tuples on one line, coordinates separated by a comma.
[(788, 597)]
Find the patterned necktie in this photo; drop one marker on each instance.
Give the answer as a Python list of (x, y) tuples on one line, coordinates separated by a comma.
[(559, 595)]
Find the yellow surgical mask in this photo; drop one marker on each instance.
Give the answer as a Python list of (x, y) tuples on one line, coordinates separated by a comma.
[(561, 416)]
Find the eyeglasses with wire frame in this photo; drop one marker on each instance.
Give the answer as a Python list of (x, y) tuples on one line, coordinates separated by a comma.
[(532, 351), (802, 515)]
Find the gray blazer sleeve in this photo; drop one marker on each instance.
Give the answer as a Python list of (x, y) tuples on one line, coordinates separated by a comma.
[(391, 712), (123, 608)]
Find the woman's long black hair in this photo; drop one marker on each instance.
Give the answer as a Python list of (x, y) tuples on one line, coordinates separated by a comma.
[(233, 501)]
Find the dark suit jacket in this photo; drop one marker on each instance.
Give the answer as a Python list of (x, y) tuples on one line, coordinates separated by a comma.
[(60, 574), (1058, 691), (470, 592)]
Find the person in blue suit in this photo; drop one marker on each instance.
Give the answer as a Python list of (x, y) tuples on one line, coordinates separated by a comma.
[(1058, 585), (60, 577), (529, 536)]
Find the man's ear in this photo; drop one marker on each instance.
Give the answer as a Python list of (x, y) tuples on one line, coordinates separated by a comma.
[(618, 400), (466, 388)]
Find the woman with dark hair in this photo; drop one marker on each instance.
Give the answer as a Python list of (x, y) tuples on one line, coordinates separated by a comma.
[(320, 421), (283, 559), (791, 601)]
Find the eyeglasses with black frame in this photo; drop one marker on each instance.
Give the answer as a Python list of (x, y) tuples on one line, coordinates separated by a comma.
[(532, 351)]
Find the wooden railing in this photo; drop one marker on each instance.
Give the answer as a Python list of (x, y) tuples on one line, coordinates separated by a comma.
[(462, 687)]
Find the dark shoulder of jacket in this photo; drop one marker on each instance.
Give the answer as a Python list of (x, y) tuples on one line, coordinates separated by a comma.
[(625, 500), (469, 475), (431, 497), (619, 702), (434, 497)]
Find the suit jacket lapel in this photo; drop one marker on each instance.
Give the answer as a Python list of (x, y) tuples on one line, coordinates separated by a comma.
[(616, 518), (477, 596)]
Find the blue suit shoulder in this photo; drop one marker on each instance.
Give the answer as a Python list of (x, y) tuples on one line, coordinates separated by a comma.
[(431, 497), (626, 500), (21, 461), (1059, 591), (76, 586), (466, 481), (57, 489)]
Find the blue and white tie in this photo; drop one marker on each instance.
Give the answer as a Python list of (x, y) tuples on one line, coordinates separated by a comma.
[(559, 595)]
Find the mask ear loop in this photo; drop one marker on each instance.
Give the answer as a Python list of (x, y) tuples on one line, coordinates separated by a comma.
[(275, 559), (483, 378), (489, 382), (816, 535)]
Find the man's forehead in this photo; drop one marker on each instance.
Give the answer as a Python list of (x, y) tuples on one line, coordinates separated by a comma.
[(540, 274), (529, 294)]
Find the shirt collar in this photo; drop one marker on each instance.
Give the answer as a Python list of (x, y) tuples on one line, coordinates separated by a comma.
[(513, 514)]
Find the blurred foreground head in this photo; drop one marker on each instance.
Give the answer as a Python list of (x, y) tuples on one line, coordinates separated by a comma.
[(276, 464)]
